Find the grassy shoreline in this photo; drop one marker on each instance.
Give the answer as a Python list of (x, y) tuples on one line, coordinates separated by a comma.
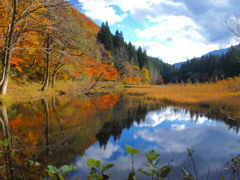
[(32, 91), (28, 91), (226, 92), (221, 98), (222, 94)]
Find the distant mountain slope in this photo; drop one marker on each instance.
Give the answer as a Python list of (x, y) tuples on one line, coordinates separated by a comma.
[(215, 52), (218, 52), (178, 65)]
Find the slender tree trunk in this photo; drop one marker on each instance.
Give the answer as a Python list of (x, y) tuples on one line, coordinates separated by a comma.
[(47, 64), (54, 75), (46, 76), (8, 151), (47, 57), (8, 51), (56, 114), (3, 87), (46, 119), (57, 67), (53, 79), (5, 123)]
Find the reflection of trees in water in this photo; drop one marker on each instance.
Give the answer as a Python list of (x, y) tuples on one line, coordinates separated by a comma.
[(217, 113), (51, 131), (41, 137), (124, 114), (123, 118), (7, 153), (15, 164)]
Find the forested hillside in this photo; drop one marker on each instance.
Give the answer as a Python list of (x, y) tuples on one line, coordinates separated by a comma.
[(132, 63), (212, 67)]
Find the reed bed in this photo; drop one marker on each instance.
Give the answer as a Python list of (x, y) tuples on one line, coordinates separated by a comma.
[(226, 92)]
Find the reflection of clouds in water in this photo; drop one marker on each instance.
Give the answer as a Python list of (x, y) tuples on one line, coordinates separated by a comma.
[(154, 118), (214, 145), (203, 137), (179, 127), (101, 153), (95, 152)]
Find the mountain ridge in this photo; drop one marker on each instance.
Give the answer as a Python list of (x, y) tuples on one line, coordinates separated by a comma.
[(214, 52)]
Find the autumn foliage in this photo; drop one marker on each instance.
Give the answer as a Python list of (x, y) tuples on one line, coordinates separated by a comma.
[(44, 41)]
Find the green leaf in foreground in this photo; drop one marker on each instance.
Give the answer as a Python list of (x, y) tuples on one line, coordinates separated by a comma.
[(131, 150), (132, 176), (237, 160), (144, 172), (52, 169), (33, 163), (185, 171), (165, 171), (93, 171), (67, 168), (54, 173), (188, 175), (152, 156), (107, 166), (95, 163), (6, 142)]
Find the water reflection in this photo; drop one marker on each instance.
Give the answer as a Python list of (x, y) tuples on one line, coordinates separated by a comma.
[(50, 131), (64, 130), (169, 131)]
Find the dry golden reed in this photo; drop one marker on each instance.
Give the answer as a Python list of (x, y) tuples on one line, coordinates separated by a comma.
[(225, 92)]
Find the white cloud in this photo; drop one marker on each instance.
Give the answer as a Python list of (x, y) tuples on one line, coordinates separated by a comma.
[(179, 127), (174, 29), (154, 118), (102, 11), (174, 39), (179, 49)]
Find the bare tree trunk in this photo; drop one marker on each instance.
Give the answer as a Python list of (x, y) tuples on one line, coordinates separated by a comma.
[(54, 75), (8, 150), (47, 60), (53, 79), (8, 51), (3, 87), (57, 67), (5, 123), (89, 90), (46, 75), (56, 114), (46, 119)]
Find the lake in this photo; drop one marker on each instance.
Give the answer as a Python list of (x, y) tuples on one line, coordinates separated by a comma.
[(71, 129)]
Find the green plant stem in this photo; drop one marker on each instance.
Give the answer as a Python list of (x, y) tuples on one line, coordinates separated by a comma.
[(132, 163), (174, 170), (194, 167)]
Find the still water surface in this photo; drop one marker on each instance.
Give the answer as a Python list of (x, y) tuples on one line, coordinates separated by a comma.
[(70, 130)]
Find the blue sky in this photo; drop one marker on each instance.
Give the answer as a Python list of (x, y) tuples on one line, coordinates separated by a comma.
[(172, 30)]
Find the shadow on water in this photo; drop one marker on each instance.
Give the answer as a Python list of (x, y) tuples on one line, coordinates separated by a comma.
[(58, 129)]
